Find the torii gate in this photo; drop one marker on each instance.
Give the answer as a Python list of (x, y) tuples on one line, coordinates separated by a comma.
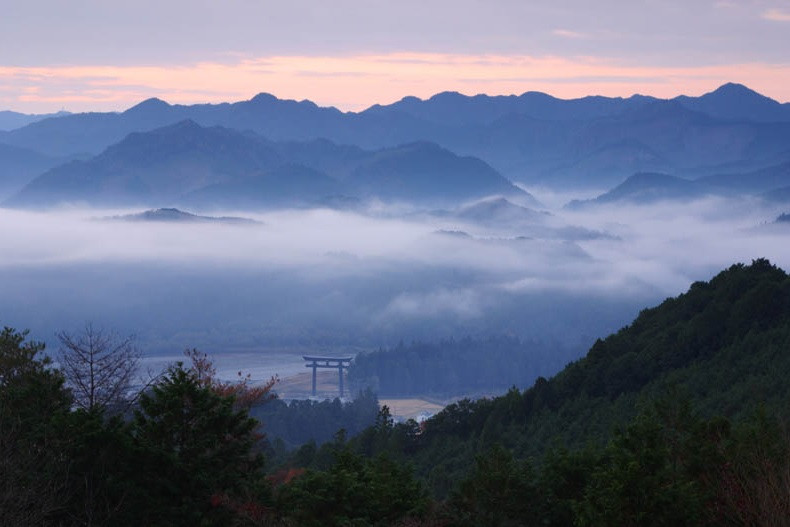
[(328, 362)]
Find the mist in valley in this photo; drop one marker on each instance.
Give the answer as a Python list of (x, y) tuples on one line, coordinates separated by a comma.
[(256, 295)]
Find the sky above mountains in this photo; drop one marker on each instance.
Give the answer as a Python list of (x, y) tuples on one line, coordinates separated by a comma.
[(97, 55)]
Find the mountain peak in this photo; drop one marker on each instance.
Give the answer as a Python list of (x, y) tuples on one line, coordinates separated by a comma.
[(448, 96), (737, 102), (264, 97), (410, 99), (732, 90), (151, 104)]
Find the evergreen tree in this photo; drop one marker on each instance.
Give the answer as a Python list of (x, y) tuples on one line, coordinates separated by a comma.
[(198, 452), (33, 403)]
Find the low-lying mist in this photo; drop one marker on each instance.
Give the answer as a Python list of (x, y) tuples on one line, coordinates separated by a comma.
[(327, 280)]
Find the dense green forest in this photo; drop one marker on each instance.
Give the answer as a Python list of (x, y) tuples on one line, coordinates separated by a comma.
[(457, 367), (677, 419), (299, 421)]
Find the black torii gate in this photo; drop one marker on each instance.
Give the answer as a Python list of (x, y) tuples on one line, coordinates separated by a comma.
[(328, 362)]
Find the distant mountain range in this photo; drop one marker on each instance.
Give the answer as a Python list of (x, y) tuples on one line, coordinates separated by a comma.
[(451, 144), (648, 187), (532, 138), (19, 165), (771, 184), (12, 120), (217, 167)]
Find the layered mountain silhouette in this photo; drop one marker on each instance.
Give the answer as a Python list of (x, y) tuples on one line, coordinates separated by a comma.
[(12, 120), (216, 167), (425, 172), (646, 188), (532, 138), (19, 165), (771, 184), (759, 181), (736, 102)]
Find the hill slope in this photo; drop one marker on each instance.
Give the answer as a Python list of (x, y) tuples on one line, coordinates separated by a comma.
[(648, 188), (18, 166), (152, 168), (425, 172), (736, 102), (725, 343), (217, 167)]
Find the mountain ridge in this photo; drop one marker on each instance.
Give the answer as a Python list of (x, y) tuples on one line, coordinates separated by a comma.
[(216, 166), (532, 138)]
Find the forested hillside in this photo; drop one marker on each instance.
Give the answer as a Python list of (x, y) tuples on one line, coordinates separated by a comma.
[(457, 367), (670, 421), (724, 344), (677, 419)]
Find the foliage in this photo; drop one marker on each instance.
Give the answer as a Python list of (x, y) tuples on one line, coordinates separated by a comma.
[(294, 423), (498, 492), (723, 343), (353, 491), (754, 482), (673, 420), (199, 445), (33, 474), (456, 367), (646, 477), (244, 393)]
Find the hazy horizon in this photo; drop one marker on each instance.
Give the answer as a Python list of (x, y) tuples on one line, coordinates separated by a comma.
[(355, 54), (357, 108)]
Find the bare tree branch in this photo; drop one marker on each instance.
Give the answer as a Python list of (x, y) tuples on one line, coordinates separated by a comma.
[(99, 367)]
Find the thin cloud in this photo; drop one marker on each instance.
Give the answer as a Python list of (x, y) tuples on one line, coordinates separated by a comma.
[(776, 15), (567, 33)]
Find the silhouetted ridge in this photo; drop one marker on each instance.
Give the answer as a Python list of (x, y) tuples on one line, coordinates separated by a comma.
[(723, 343), (695, 326), (534, 137), (264, 97), (664, 111), (423, 171), (648, 187), (188, 164), (148, 106), (733, 101), (730, 89)]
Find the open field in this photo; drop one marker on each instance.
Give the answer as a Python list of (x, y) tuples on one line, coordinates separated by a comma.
[(418, 409), (299, 387)]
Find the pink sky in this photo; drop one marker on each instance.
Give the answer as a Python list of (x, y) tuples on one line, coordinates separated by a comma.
[(108, 55), (354, 82)]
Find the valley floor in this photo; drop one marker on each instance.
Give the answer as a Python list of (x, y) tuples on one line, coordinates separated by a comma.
[(401, 408)]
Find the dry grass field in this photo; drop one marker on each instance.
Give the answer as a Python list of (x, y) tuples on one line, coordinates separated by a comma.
[(299, 387), (411, 408)]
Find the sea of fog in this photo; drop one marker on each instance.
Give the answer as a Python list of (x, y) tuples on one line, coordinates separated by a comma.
[(258, 296)]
